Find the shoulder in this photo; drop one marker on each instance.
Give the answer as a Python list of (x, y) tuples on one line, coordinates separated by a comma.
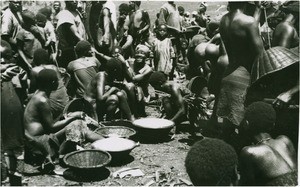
[(284, 139)]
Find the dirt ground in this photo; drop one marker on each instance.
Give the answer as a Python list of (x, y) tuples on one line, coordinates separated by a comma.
[(160, 161)]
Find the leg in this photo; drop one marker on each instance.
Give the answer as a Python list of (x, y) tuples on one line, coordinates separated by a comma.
[(132, 100), (124, 107), (168, 107), (111, 106)]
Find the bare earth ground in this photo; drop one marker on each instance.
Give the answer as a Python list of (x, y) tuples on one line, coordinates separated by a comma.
[(162, 163)]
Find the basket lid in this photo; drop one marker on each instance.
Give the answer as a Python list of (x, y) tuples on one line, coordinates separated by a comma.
[(153, 123), (114, 144)]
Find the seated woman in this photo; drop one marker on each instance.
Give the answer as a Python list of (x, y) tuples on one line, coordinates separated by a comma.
[(268, 161)]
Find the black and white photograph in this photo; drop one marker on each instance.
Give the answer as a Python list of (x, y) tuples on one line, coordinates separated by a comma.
[(149, 93)]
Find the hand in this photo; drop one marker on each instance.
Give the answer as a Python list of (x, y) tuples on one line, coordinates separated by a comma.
[(282, 100), (78, 115), (4, 67), (105, 39), (10, 73)]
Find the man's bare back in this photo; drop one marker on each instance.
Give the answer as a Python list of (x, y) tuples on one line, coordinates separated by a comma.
[(268, 160), (240, 35)]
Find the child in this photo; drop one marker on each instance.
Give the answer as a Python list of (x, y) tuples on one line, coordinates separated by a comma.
[(49, 30), (163, 51)]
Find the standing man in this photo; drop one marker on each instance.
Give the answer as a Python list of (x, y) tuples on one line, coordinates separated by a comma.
[(169, 15), (11, 23), (243, 44), (70, 31), (138, 24)]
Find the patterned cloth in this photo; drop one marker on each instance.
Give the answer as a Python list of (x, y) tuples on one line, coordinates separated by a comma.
[(288, 179), (76, 131), (232, 95)]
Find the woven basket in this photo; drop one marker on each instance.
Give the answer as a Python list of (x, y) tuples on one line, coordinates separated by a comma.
[(116, 131), (87, 159)]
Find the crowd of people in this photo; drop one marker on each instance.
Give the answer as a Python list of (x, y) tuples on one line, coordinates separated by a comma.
[(241, 69)]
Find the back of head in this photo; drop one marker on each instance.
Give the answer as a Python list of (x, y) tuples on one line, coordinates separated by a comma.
[(46, 11), (157, 78), (211, 162), (47, 80), (237, 5), (290, 7), (28, 18), (83, 48), (114, 69), (261, 117), (5, 50), (124, 7), (41, 56)]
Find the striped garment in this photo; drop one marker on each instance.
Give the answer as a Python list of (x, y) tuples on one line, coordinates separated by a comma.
[(232, 95)]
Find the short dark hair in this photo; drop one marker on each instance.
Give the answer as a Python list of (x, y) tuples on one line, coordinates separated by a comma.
[(28, 17), (157, 78), (47, 80), (261, 117), (211, 162), (41, 56), (82, 48)]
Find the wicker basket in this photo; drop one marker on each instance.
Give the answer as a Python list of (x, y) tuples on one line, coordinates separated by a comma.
[(116, 131), (87, 159)]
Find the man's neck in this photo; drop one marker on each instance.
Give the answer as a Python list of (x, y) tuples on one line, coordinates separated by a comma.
[(290, 18), (46, 94), (261, 137)]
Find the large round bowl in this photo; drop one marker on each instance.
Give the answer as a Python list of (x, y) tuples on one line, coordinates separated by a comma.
[(153, 123), (87, 160), (118, 148), (153, 128), (115, 131)]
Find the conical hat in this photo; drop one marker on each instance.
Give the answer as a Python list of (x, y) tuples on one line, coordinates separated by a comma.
[(272, 61)]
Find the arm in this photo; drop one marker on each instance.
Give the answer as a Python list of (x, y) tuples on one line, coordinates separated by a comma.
[(246, 168), (128, 42), (101, 55), (101, 94), (286, 97), (254, 38), (146, 19), (74, 31), (140, 77), (126, 23), (162, 16), (20, 45), (47, 118), (180, 103), (106, 21), (285, 37)]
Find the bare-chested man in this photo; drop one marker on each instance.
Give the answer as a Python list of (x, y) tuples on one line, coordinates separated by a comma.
[(285, 33), (243, 45), (268, 161), (38, 119), (138, 24)]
